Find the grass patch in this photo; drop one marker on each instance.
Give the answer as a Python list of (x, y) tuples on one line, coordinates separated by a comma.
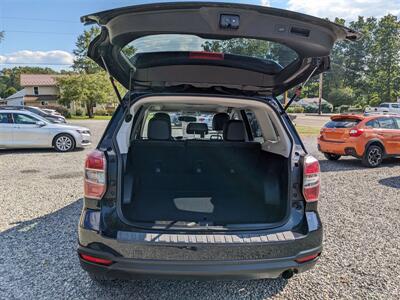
[(87, 118), (307, 130)]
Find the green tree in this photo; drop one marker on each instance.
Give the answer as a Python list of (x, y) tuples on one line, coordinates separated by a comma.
[(89, 89), (82, 63), (9, 91), (254, 48), (341, 96), (385, 67)]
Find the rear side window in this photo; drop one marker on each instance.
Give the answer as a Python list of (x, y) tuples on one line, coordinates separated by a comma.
[(24, 119), (386, 123), (254, 127), (384, 105), (373, 124), (342, 123), (397, 120), (4, 119)]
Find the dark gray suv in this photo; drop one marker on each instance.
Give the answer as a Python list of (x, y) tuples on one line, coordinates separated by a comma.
[(185, 199)]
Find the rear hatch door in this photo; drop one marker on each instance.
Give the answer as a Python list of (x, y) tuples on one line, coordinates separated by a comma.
[(309, 38), (337, 130)]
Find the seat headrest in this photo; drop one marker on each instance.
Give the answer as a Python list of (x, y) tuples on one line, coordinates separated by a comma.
[(234, 131), (219, 121), (197, 128), (159, 129), (162, 116)]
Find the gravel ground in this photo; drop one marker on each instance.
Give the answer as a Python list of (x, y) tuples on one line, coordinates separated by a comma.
[(40, 205)]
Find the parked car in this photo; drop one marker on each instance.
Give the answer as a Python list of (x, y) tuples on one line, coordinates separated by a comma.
[(48, 116), (192, 206), (387, 107), (24, 129), (51, 111), (205, 118), (370, 138)]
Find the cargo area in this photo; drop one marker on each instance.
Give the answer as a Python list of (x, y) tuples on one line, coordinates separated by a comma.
[(218, 183), (203, 172)]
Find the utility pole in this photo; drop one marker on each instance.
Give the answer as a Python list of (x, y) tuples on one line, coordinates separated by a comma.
[(320, 94)]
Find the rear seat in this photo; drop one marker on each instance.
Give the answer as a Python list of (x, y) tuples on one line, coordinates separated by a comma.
[(216, 164), (163, 163), (157, 159)]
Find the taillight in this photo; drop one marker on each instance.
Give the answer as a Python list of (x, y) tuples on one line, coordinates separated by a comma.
[(206, 55), (307, 258), (311, 179), (355, 132), (96, 260), (95, 175)]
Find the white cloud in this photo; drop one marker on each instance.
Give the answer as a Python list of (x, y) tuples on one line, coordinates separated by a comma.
[(346, 9), (265, 3), (56, 57)]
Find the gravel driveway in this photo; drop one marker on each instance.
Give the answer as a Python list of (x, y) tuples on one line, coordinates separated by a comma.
[(40, 203)]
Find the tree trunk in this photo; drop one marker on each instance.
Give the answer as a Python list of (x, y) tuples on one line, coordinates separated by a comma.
[(89, 109)]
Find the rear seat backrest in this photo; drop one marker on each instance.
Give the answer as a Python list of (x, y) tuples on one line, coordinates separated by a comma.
[(242, 156), (234, 131), (159, 129)]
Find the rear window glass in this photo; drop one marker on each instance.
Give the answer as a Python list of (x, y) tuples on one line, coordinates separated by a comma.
[(180, 122), (342, 123), (262, 49)]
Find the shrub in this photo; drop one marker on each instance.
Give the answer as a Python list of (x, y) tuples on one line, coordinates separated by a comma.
[(311, 108), (101, 112), (79, 112), (295, 109), (343, 108), (326, 107), (354, 109)]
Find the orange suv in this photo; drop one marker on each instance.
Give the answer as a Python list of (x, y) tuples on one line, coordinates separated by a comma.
[(371, 138)]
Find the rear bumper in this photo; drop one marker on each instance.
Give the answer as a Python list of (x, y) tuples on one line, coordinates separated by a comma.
[(201, 256), (123, 268), (341, 148)]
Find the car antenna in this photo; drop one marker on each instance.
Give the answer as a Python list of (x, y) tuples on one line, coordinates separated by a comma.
[(112, 80), (297, 92)]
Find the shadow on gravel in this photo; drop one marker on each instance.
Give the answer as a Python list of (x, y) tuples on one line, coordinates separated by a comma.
[(393, 182), (38, 260), (33, 151), (353, 164)]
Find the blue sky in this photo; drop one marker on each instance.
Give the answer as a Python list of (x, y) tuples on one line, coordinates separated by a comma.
[(45, 31)]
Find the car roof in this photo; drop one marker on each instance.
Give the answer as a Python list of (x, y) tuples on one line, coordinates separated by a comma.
[(24, 111)]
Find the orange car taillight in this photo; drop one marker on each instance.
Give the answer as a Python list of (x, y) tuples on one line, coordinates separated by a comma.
[(96, 260), (311, 179), (95, 175), (355, 132)]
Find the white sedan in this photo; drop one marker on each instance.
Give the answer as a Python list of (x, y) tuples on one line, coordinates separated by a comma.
[(23, 129)]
